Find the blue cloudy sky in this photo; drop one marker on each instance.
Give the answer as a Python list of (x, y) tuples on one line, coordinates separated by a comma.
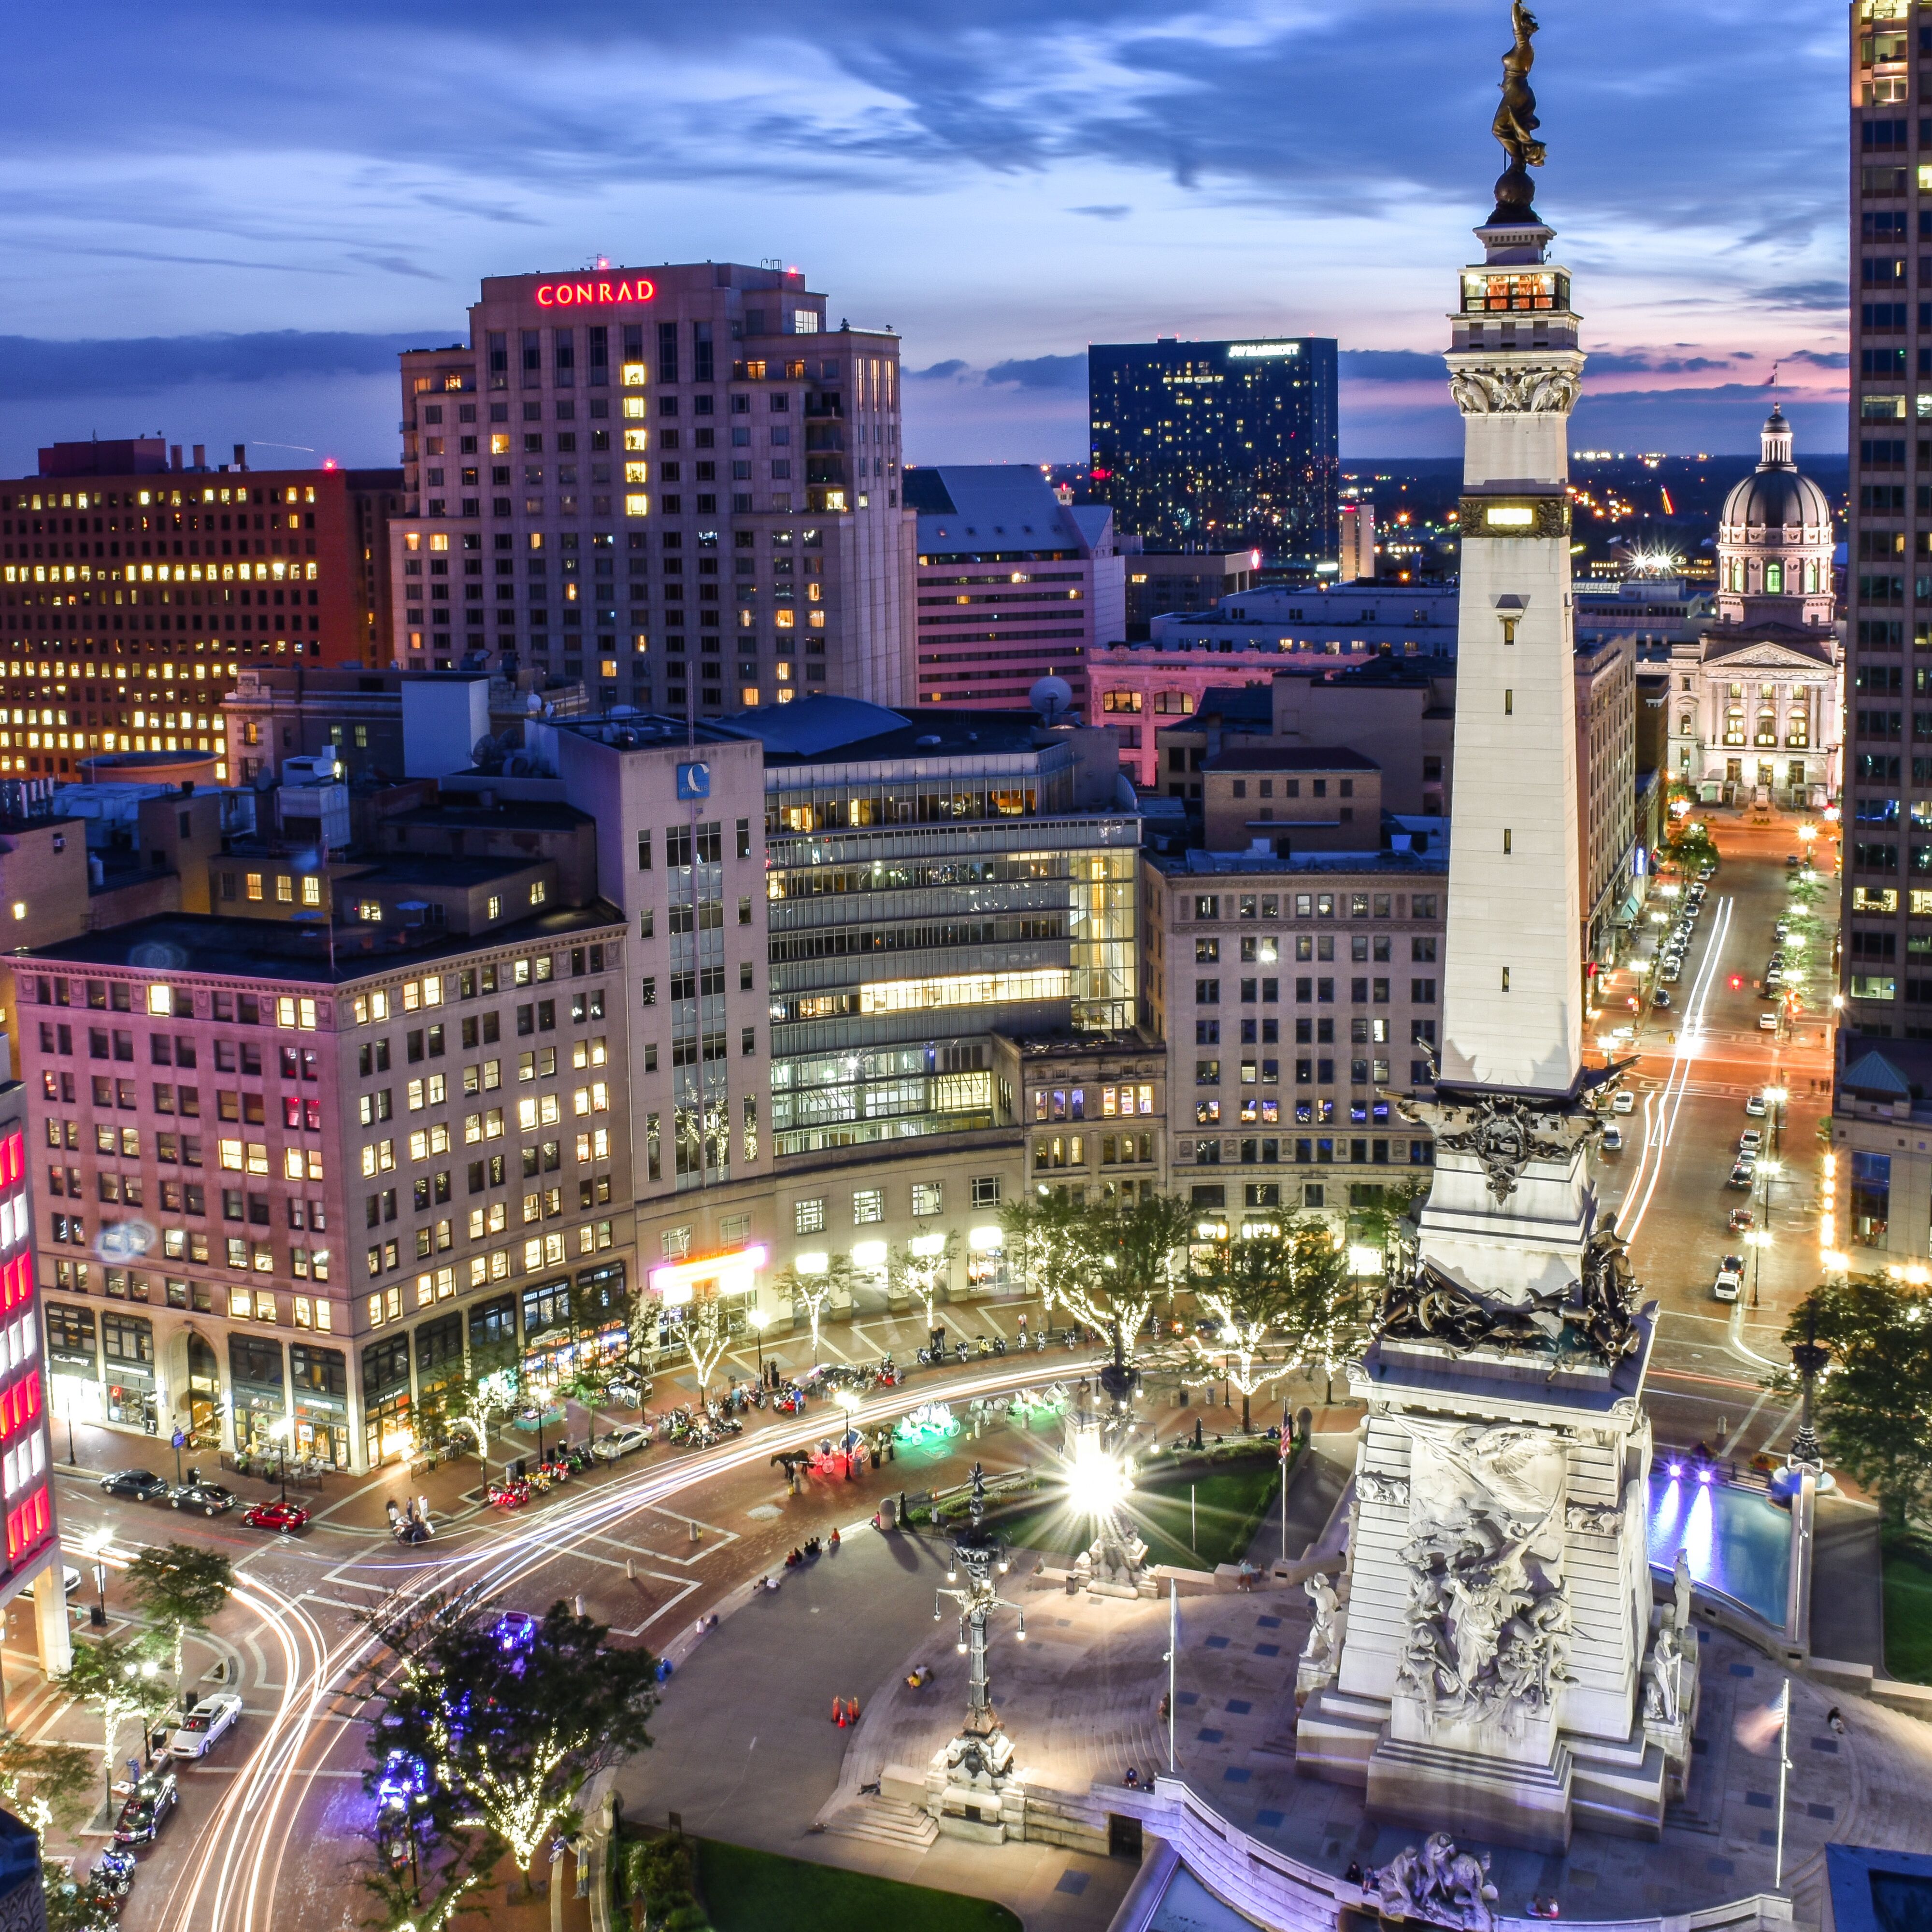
[(220, 220)]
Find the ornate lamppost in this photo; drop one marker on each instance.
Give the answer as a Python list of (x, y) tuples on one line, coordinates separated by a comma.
[(968, 1790), (980, 1555), (1810, 1358)]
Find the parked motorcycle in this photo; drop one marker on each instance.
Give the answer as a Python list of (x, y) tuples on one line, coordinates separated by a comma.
[(110, 1881), (510, 1496)]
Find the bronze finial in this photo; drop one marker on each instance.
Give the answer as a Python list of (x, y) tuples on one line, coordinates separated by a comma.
[(1516, 124)]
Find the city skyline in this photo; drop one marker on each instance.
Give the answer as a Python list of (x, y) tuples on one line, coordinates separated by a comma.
[(1142, 179)]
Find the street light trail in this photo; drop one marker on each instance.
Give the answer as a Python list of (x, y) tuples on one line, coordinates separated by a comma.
[(1677, 1079), (246, 1867), (1651, 1151)]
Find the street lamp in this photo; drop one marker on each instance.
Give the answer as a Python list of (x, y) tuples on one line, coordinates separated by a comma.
[(96, 1546), (1761, 1237), (758, 1319), (281, 1429)]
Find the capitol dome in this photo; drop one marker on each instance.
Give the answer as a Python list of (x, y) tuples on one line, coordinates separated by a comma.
[(1774, 542)]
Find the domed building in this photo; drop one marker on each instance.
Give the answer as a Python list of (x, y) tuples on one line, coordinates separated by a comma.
[(1775, 542), (1756, 700)]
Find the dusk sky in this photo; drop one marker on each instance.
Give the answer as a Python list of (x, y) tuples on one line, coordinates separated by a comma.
[(222, 221)]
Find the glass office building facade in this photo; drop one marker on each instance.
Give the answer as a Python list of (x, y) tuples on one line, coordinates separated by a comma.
[(1216, 445), (920, 905)]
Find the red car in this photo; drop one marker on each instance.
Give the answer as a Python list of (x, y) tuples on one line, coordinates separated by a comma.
[(285, 1517)]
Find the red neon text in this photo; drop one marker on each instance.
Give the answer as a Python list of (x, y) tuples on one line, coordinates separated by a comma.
[(594, 295)]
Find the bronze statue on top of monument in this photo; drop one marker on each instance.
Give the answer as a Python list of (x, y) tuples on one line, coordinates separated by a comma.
[(1516, 124)]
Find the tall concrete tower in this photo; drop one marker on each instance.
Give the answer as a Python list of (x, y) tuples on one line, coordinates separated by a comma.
[(1488, 1672)]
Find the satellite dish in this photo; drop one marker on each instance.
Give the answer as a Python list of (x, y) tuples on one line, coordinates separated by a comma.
[(1051, 697)]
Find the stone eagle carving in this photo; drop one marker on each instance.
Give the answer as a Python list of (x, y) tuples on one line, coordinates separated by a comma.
[(1505, 1133), (1536, 392)]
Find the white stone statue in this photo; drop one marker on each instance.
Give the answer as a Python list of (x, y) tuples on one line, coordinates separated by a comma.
[(1680, 1593), (1438, 1883), (1320, 1644), (1662, 1704)]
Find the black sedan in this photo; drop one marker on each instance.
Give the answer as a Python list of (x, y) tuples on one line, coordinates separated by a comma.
[(140, 1484), (210, 1499), (148, 1807)]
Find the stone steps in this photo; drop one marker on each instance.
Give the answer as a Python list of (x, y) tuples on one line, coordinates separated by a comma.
[(884, 1821)]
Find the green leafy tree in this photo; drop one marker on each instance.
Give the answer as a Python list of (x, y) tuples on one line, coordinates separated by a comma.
[(660, 1881), (490, 1393), (1329, 1308), (922, 1277), (182, 1587), (815, 1293), (1246, 1282), (45, 1784), (510, 1736), (121, 1680), (1872, 1406), (1382, 1222), (1109, 1263)]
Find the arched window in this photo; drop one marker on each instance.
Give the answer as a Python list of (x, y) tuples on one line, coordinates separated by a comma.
[(1774, 577)]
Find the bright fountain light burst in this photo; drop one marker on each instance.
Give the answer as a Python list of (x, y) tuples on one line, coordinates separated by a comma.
[(1098, 1483)]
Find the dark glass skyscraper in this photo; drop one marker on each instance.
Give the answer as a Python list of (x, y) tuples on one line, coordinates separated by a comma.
[(1213, 445)]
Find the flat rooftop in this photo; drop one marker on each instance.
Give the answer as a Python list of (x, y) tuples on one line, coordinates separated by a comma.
[(298, 952)]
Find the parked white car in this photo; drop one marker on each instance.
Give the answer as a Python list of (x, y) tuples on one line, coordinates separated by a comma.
[(1623, 1102), (211, 1720), (619, 1441)]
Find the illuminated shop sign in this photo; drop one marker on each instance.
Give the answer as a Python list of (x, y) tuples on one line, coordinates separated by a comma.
[(1249, 352), (677, 1283), (594, 295)]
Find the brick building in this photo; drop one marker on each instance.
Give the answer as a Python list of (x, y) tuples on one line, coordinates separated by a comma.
[(282, 1176), (131, 587)]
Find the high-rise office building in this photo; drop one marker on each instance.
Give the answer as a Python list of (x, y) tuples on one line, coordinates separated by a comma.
[(1880, 1184), (1890, 595), (677, 484), (1208, 445), (133, 586), (1014, 586)]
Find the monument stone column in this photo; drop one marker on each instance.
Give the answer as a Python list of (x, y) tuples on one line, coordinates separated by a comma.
[(1499, 1606)]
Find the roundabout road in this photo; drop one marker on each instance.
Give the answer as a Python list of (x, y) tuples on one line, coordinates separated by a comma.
[(255, 1866)]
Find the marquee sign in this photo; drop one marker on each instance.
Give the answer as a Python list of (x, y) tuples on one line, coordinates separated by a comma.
[(594, 295)]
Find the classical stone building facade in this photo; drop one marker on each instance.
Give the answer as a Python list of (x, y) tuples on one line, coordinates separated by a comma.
[(1757, 699)]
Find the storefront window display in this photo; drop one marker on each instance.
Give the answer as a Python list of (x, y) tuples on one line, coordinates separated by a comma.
[(386, 1426), (320, 1379), (128, 1350), (259, 1393)]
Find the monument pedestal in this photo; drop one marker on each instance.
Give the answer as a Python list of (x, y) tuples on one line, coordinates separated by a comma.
[(1473, 1794), (973, 1792), (1116, 1565)]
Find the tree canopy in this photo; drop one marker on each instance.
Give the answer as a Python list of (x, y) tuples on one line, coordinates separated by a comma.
[(1872, 1406), (1109, 1264), (509, 1729), (182, 1587)]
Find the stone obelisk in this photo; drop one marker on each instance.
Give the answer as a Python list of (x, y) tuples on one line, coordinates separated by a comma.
[(1486, 1674)]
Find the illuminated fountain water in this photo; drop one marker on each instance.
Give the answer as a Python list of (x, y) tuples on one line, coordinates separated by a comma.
[(1736, 1541)]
